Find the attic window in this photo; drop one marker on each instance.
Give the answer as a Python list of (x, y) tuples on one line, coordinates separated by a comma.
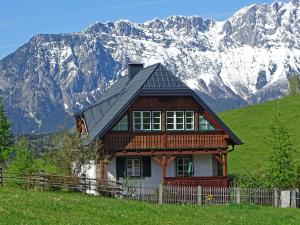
[(205, 125), (122, 124)]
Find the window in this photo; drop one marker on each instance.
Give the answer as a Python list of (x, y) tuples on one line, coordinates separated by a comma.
[(146, 120), (189, 120), (142, 120), (205, 125), (156, 120), (122, 124), (184, 167), (133, 167), (175, 120)]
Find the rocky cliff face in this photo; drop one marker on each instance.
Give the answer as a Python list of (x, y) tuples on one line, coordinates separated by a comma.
[(243, 60)]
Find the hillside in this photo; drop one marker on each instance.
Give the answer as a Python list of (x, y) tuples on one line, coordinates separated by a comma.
[(29, 207), (242, 60), (252, 124)]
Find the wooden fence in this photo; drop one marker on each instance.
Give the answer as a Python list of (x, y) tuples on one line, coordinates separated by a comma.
[(155, 194)]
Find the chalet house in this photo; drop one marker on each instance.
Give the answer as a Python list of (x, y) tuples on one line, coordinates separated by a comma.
[(156, 129)]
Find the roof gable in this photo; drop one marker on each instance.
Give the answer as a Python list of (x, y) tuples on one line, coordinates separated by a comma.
[(155, 79)]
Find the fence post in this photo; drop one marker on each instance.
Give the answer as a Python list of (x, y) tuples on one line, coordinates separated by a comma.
[(42, 180), (1, 177), (199, 195), (238, 195), (160, 194), (83, 186), (276, 197), (293, 199)]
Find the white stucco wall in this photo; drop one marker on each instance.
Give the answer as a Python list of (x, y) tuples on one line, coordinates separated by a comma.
[(203, 166), (91, 172)]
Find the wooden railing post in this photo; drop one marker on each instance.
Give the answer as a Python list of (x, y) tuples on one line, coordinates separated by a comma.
[(83, 185), (1, 177), (160, 194), (199, 195), (42, 180), (238, 195), (276, 197)]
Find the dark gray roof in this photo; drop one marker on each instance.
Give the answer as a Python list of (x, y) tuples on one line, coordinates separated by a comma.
[(153, 80)]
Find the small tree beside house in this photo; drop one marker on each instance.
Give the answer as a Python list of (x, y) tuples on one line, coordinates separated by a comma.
[(282, 169), (71, 153)]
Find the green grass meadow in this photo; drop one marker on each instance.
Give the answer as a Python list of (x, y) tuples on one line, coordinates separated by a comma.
[(252, 125), (32, 207)]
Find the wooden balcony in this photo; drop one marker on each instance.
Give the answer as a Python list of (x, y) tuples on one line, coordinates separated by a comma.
[(220, 181), (118, 141)]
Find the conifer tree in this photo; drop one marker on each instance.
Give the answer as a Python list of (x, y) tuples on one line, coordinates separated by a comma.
[(5, 136), (282, 169)]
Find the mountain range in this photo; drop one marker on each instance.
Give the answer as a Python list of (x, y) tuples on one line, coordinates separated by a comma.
[(246, 59)]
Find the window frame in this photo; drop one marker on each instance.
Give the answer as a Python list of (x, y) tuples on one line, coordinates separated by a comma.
[(174, 117), (160, 120), (193, 120), (133, 171), (208, 124), (117, 126), (142, 120), (190, 158)]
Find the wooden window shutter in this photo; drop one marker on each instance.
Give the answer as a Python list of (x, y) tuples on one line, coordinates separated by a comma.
[(146, 166), (120, 166)]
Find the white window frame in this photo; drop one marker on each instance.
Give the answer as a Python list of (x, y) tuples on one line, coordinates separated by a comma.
[(193, 120), (207, 123), (190, 159), (136, 167), (175, 120), (152, 120), (142, 120), (117, 127)]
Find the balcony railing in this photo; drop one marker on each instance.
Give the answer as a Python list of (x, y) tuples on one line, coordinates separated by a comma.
[(218, 181), (165, 140)]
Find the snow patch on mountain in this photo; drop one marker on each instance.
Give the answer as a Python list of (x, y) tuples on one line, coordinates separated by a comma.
[(245, 59)]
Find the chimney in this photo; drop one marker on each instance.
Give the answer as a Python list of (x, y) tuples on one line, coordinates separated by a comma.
[(133, 69)]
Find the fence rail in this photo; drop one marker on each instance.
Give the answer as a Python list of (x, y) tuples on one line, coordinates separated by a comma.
[(155, 194)]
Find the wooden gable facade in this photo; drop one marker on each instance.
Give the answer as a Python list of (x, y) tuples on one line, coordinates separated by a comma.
[(162, 123)]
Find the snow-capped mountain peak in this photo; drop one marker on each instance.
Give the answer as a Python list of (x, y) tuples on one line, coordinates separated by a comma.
[(247, 58)]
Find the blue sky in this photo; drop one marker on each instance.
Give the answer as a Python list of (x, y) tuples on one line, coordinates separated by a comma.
[(20, 20)]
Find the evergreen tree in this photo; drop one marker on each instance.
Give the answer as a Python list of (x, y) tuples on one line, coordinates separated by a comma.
[(282, 169), (5, 136)]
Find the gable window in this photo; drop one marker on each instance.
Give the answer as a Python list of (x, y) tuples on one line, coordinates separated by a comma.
[(133, 167), (184, 167), (122, 124), (189, 120), (205, 125), (156, 120), (141, 120), (146, 120), (175, 120)]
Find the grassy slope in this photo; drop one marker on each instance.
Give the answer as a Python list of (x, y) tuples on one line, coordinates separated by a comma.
[(252, 123), (28, 207)]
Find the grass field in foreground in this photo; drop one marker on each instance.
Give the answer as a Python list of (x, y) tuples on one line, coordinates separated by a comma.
[(30, 207), (252, 124)]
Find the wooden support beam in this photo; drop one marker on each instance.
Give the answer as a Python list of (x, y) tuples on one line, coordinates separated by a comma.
[(169, 152), (219, 159), (170, 160), (157, 160)]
